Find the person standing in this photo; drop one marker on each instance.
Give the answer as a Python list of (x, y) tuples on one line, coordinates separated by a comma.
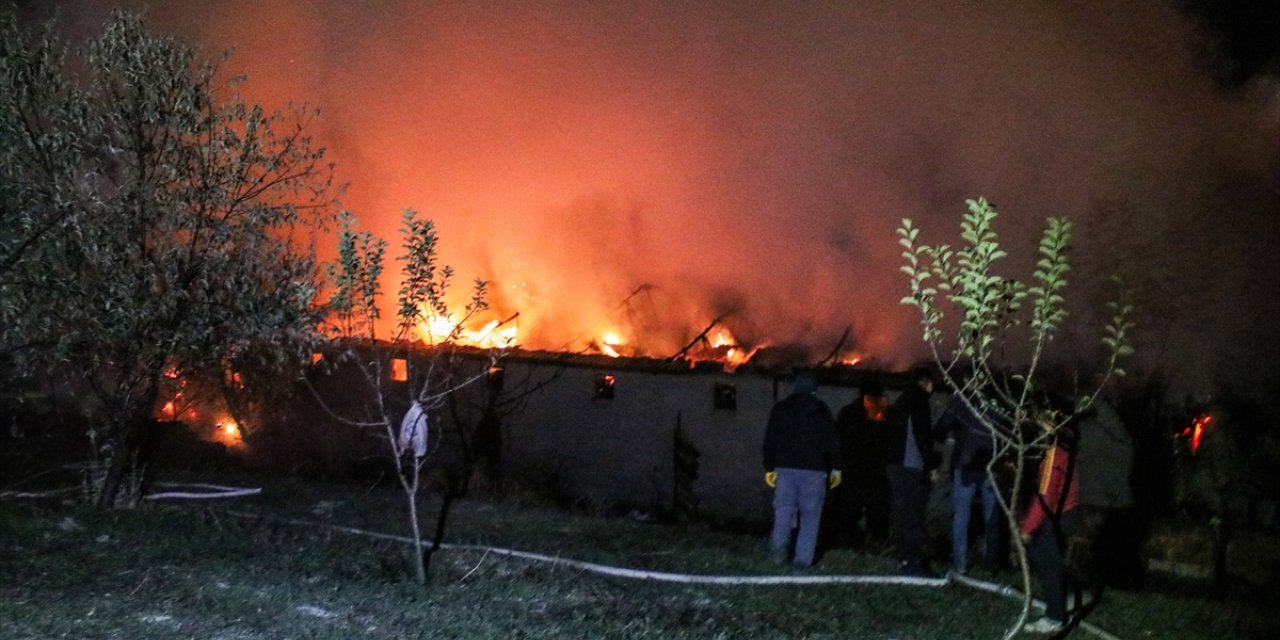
[(1107, 456), (971, 451), (862, 501), (1049, 522), (912, 468), (800, 462)]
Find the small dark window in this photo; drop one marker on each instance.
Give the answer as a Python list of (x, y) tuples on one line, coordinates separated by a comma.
[(604, 386), (495, 379), (726, 396)]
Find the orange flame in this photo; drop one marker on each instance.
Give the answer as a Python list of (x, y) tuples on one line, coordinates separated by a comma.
[(723, 339), (610, 342), (444, 328), (1196, 432), (877, 407), (613, 337), (725, 348), (228, 432)]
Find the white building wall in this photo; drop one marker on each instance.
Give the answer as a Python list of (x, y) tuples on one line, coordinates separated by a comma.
[(621, 450)]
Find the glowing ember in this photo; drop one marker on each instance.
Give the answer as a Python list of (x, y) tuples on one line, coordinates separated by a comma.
[(1199, 427), (176, 408), (724, 347), (227, 432), (736, 356)]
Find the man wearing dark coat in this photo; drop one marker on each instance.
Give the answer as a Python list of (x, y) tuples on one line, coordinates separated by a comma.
[(861, 516), (912, 467), (801, 459)]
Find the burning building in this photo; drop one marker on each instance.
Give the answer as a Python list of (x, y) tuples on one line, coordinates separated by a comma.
[(653, 434)]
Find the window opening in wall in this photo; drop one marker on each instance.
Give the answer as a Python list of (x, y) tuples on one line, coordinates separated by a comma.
[(876, 407), (725, 396), (495, 379), (604, 386), (399, 370)]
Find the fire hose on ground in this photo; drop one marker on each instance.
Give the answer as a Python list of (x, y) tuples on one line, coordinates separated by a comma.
[(212, 491), (686, 578)]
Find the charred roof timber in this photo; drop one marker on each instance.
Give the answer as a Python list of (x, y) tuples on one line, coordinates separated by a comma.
[(778, 368)]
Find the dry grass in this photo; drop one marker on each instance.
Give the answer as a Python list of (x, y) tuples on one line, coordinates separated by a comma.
[(165, 572)]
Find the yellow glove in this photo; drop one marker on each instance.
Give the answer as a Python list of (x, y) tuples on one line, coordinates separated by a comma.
[(835, 478), (771, 478)]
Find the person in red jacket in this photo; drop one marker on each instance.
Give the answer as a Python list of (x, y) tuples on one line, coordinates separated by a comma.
[(1048, 524)]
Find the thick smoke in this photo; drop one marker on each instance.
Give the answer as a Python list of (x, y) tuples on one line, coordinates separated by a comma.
[(758, 158)]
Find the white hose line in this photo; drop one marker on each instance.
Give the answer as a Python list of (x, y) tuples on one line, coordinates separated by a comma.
[(215, 491), (192, 495), (622, 572), (51, 493), (1009, 591), (221, 491), (685, 578)]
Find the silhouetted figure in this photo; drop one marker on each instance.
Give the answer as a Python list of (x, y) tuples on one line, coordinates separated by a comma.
[(861, 516), (972, 450), (1107, 453), (911, 466), (800, 460)]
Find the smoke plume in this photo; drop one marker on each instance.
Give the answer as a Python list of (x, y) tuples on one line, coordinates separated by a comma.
[(755, 158)]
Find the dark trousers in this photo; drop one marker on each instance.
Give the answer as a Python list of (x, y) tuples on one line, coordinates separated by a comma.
[(871, 506), (860, 513), (1047, 553), (908, 496)]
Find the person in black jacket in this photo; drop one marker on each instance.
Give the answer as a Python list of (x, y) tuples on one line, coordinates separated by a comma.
[(861, 516), (800, 462), (912, 468)]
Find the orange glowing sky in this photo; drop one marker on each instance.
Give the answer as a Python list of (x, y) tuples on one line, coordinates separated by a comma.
[(758, 156)]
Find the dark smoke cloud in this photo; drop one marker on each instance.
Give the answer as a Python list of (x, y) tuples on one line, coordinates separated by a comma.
[(758, 156)]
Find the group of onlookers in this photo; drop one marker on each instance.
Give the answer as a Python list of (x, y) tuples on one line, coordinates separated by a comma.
[(882, 461)]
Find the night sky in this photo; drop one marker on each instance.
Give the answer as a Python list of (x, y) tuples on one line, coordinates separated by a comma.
[(759, 156)]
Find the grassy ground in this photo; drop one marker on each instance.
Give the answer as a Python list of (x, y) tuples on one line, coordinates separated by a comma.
[(201, 572)]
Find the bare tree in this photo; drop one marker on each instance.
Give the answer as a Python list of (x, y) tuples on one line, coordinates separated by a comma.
[(400, 405)]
